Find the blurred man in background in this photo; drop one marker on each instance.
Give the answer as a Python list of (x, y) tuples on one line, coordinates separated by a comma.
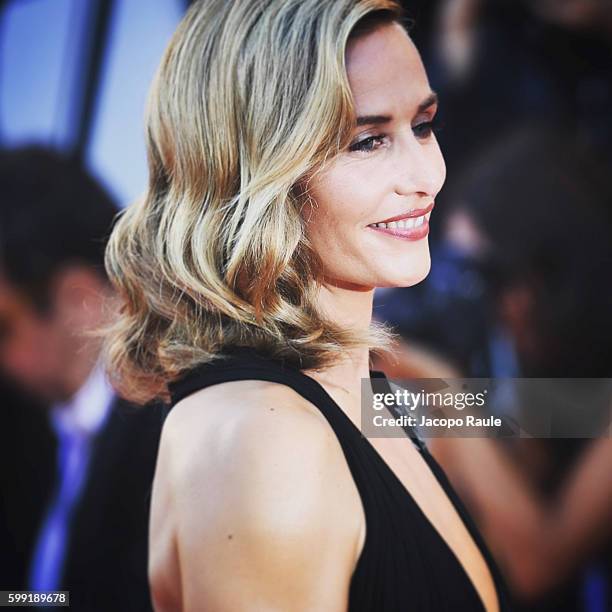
[(77, 461)]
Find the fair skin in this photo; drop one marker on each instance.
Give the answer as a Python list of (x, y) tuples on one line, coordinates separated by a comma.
[(284, 518), (50, 354)]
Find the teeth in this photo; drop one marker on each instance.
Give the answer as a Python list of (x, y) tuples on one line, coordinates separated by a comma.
[(404, 224)]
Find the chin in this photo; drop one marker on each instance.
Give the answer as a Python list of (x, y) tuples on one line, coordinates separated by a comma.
[(409, 278), (412, 275)]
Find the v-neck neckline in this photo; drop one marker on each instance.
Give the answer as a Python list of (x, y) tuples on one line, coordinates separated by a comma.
[(258, 361), (387, 468)]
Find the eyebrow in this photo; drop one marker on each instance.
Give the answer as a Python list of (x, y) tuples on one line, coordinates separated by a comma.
[(431, 99)]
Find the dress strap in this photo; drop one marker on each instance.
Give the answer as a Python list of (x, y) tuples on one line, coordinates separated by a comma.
[(244, 363)]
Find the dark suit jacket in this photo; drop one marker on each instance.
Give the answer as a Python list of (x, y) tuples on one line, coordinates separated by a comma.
[(106, 560)]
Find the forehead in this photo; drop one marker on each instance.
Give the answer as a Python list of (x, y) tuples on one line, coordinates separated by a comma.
[(385, 69)]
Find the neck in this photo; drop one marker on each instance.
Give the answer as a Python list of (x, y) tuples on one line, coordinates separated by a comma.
[(82, 351), (79, 369), (351, 307)]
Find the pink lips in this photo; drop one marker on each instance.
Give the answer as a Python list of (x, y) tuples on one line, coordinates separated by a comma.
[(417, 212), (413, 233)]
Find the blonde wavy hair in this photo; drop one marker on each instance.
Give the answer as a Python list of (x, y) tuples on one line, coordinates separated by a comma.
[(250, 100)]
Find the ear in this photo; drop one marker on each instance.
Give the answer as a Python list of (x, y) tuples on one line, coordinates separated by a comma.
[(78, 295)]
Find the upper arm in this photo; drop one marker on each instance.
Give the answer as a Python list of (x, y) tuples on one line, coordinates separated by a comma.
[(266, 514)]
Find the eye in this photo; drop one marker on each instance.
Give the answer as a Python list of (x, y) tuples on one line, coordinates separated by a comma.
[(367, 145), (426, 128)]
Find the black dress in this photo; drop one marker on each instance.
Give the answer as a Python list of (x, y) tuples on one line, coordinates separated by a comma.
[(405, 564)]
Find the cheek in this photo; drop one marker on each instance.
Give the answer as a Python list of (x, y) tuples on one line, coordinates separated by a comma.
[(346, 201), (30, 349)]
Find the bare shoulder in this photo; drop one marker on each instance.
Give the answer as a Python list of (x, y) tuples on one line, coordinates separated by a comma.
[(261, 492), (246, 419)]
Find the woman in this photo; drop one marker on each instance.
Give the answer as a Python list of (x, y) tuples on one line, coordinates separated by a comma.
[(282, 135)]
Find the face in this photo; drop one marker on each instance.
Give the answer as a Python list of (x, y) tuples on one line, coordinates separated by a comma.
[(30, 344), (392, 168)]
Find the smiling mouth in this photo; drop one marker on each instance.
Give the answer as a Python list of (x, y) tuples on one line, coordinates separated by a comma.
[(408, 228), (409, 223), (409, 220)]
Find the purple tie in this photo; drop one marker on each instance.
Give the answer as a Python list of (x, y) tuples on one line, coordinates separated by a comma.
[(48, 557)]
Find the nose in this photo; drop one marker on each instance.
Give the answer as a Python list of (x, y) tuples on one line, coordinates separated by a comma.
[(419, 167)]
